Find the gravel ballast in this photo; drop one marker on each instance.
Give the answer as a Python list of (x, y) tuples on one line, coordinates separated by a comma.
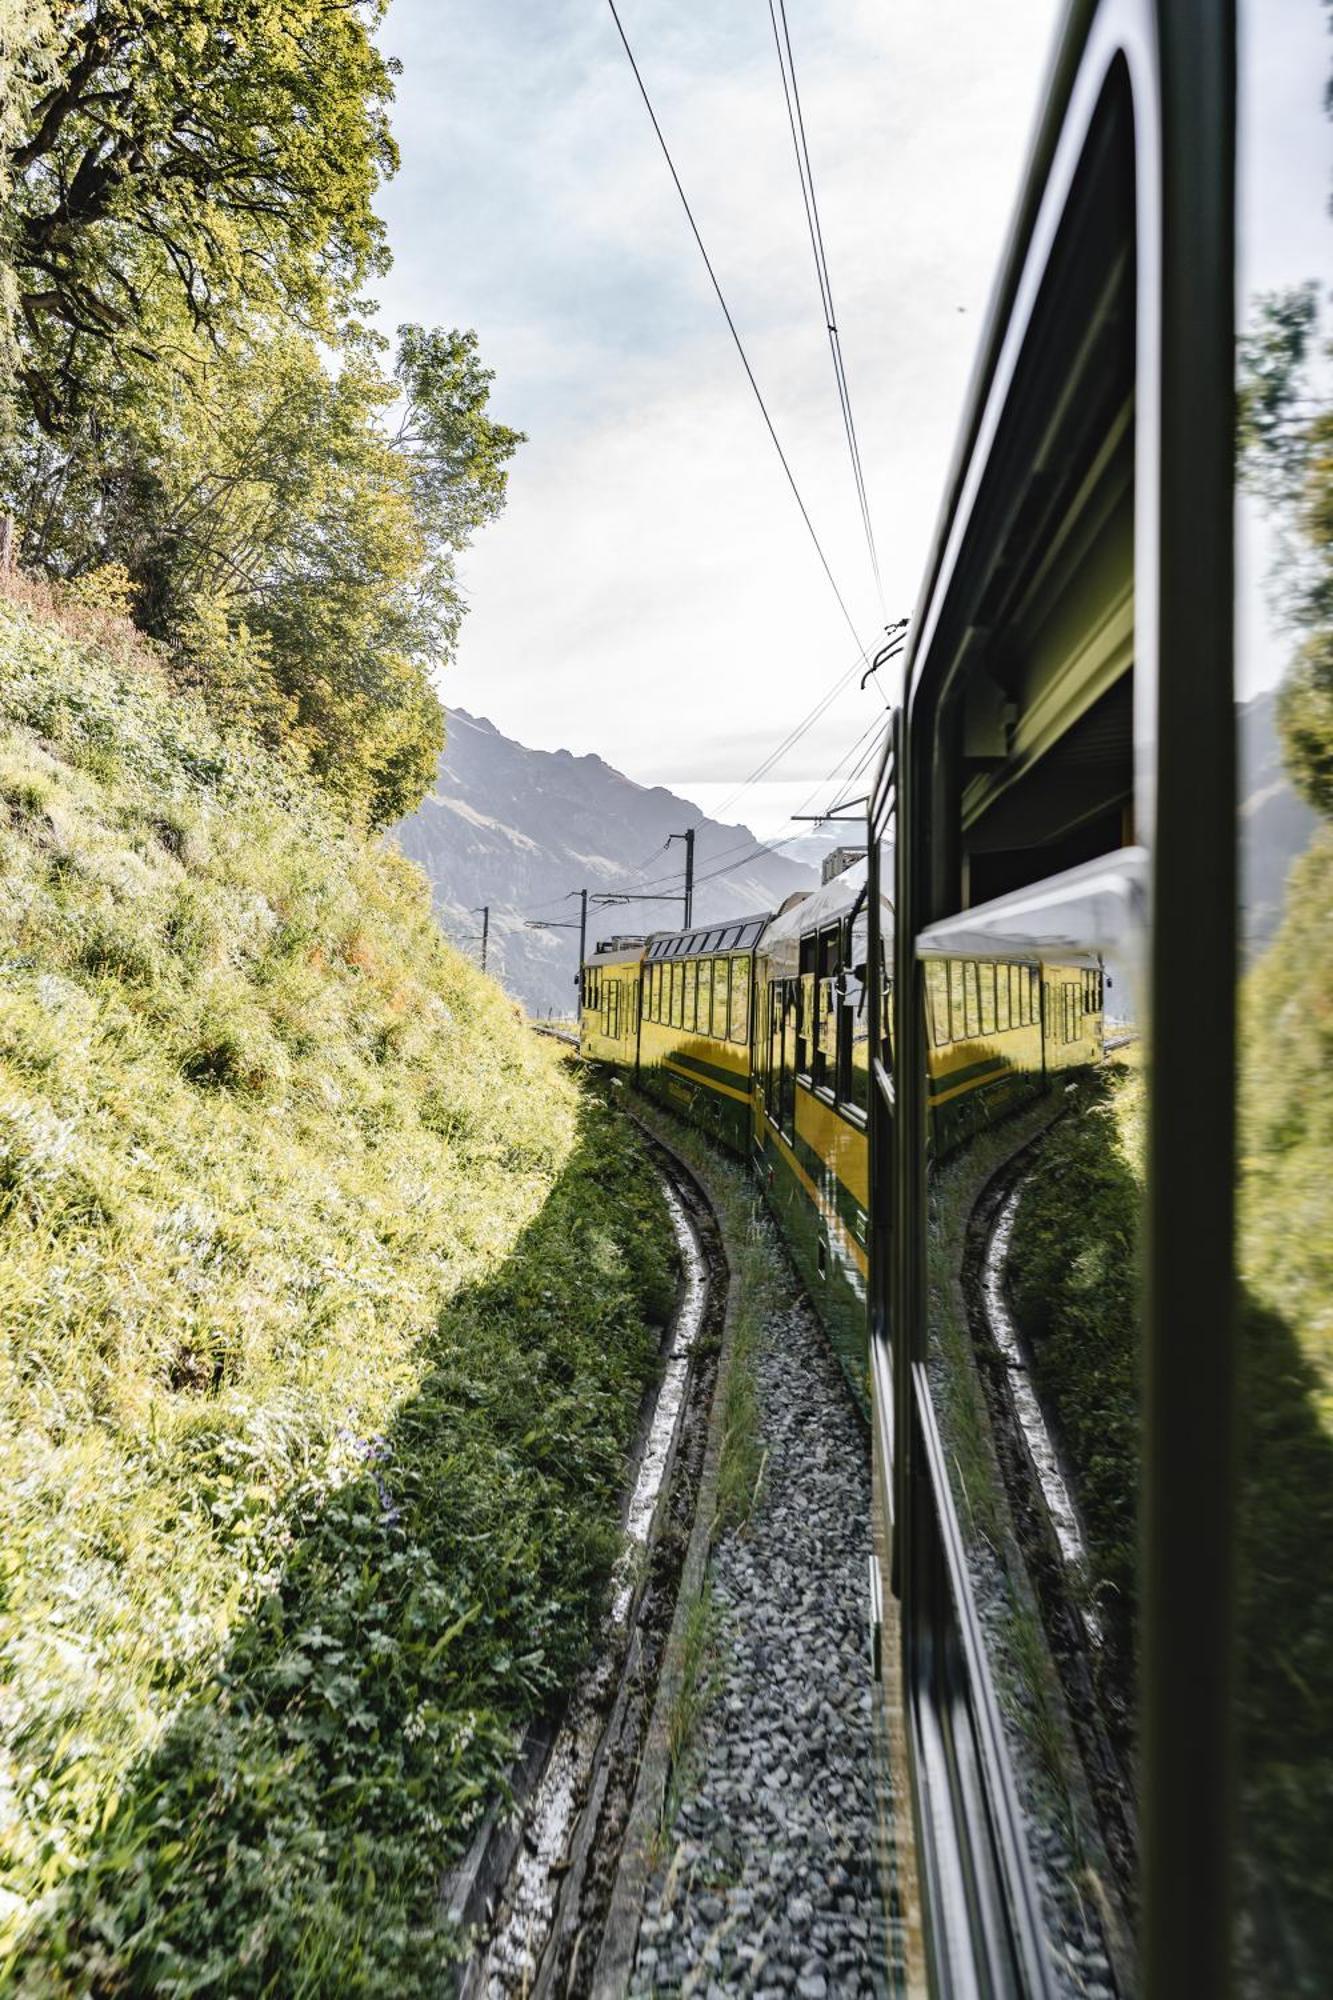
[(768, 1882)]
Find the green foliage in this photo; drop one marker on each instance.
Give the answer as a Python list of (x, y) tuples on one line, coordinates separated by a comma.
[(195, 397), (1286, 459), (1074, 1275), (1286, 1258), (327, 1302), (186, 168)]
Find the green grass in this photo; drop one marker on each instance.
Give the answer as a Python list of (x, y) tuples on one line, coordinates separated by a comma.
[(1286, 1256), (1075, 1277), (328, 1302)]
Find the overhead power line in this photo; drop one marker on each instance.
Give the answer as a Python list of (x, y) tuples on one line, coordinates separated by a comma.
[(777, 12), (731, 324)]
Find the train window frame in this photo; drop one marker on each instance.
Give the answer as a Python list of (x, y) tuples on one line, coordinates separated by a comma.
[(1002, 999), (957, 1026), (971, 1001), (986, 977), (721, 1000), (738, 1007), (805, 1009), (703, 997), (935, 988)]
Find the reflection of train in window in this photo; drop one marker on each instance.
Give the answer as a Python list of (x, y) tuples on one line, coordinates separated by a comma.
[(1023, 1244)]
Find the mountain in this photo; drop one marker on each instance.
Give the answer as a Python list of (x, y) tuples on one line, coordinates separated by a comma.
[(521, 829), (1275, 824)]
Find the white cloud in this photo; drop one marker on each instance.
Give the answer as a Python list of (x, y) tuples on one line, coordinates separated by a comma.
[(651, 592)]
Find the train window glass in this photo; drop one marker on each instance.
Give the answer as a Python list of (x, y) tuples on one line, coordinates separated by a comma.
[(1001, 998), (691, 994), (957, 1027), (971, 1002), (676, 994), (854, 1063), (790, 1007), (937, 1002), (1031, 996), (703, 1004), (721, 1021), (740, 999), (805, 1007), (987, 999)]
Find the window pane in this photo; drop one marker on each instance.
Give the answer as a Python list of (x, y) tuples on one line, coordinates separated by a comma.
[(720, 1022), (937, 1002), (740, 999), (957, 1025), (988, 999), (703, 1016)]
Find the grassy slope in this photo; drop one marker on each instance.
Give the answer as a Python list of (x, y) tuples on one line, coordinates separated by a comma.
[(1073, 1272), (1286, 1244), (1073, 1264), (324, 1290)]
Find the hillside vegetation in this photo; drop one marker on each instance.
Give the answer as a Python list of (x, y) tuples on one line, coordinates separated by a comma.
[(328, 1302)]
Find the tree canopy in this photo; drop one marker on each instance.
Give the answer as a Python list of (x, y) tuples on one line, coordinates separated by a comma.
[(193, 391), (1286, 459)]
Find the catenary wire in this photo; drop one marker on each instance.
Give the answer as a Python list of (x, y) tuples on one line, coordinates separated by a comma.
[(731, 324), (777, 12)]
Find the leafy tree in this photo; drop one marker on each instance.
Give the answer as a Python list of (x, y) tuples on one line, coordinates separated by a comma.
[(189, 164), (198, 399), (1286, 459), (26, 36)]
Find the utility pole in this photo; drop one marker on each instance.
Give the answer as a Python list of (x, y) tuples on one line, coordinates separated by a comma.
[(483, 910), (688, 898), (583, 931)]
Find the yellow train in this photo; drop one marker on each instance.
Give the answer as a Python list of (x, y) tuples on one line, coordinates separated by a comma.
[(759, 1032)]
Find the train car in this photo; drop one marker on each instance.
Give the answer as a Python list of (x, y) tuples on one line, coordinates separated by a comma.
[(810, 1099), (1001, 1033), (1054, 1567), (998, 1031), (695, 1040), (610, 989)]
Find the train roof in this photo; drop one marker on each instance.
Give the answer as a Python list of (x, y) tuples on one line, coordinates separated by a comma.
[(616, 951), (837, 898), (737, 934)]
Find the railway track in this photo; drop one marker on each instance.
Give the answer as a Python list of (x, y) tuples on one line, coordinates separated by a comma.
[(749, 1865), (535, 1889)]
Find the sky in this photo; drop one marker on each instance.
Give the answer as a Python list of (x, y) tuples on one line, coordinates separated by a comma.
[(651, 592)]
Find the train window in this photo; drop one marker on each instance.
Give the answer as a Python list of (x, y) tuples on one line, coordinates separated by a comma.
[(740, 999), (971, 999), (721, 1022), (690, 989), (703, 997), (823, 1057), (1001, 998), (987, 973), (937, 1002), (854, 1050), (957, 1029), (805, 1007)]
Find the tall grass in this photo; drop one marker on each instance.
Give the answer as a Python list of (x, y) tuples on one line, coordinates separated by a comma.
[(324, 1303)]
